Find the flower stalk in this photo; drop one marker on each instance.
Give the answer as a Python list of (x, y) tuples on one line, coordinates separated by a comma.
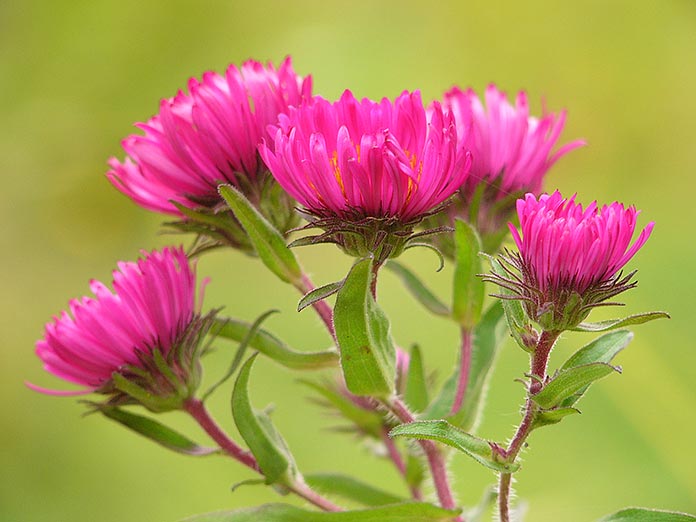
[(539, 363)]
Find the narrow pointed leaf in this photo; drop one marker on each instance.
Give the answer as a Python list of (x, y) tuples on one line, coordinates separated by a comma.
[(442, 431), (468, 292), (547, 418), (239, 356), (603, 349), (370, 422), (568, 382), (363, 333), (265, 443), (648, 515), (350, 489), (519, 324), (155, 431), (418, 289), (406, 512), (613, 324), (488, 335), (272, 347), (416, 394), (268, 242), (318, 294)]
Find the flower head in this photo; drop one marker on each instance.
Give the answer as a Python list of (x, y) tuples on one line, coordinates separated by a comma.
[(370, 168), (512, 151), (142, 336), (208, 137), (570, 258)]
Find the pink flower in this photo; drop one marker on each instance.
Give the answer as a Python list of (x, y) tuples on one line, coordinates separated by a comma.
[(359, 159), (207, 137), (510, 148), (376, 159), (570, 258), (152, 309)]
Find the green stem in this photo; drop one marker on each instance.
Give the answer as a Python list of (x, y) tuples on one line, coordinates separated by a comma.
[(539, 363)]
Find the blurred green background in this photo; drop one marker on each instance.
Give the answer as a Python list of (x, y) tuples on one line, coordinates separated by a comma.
[(76, 74)]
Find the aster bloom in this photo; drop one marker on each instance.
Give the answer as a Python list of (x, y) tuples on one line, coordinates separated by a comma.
[(367, 171), (570, 258), (512, 152), (139, 342), (208, 137)]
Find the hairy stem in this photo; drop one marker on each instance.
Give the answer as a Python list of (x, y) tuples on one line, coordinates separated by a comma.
[(197, 410), (539, 362), (464, 370), (436, 462), (398, 461), (323, 310)]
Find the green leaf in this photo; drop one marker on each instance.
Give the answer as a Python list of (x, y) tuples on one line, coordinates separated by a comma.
[(488, 336), (272, 347), (416, 393), (350, 489), (418, 289), (468, 292), (239, 356), (406, 512), (155, 431), (568, 382), (266, 444), (648, 515), (370, 422), (442, 431), (613, 324), (268, 242), (520, 327), (318, 294), (362, 330), (603, 349), (547, 418)]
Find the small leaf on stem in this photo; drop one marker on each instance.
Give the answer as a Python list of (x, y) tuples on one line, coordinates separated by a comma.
[(442, 431), (264, 441), (613, 324), (350, 488), (416, 394), (363, 333), (468, 291), (318, 294), (648, 515), (268, 242), (154, 430), (568, 382)]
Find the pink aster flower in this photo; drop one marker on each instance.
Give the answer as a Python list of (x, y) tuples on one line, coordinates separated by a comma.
[(150, 319), (570, 258), (372, 168), (512, 152), (207, 137)]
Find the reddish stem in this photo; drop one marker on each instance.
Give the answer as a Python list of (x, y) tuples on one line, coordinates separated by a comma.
[(539, 363), (197, 410), (398, 461), (464, 370), (436, 462)]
